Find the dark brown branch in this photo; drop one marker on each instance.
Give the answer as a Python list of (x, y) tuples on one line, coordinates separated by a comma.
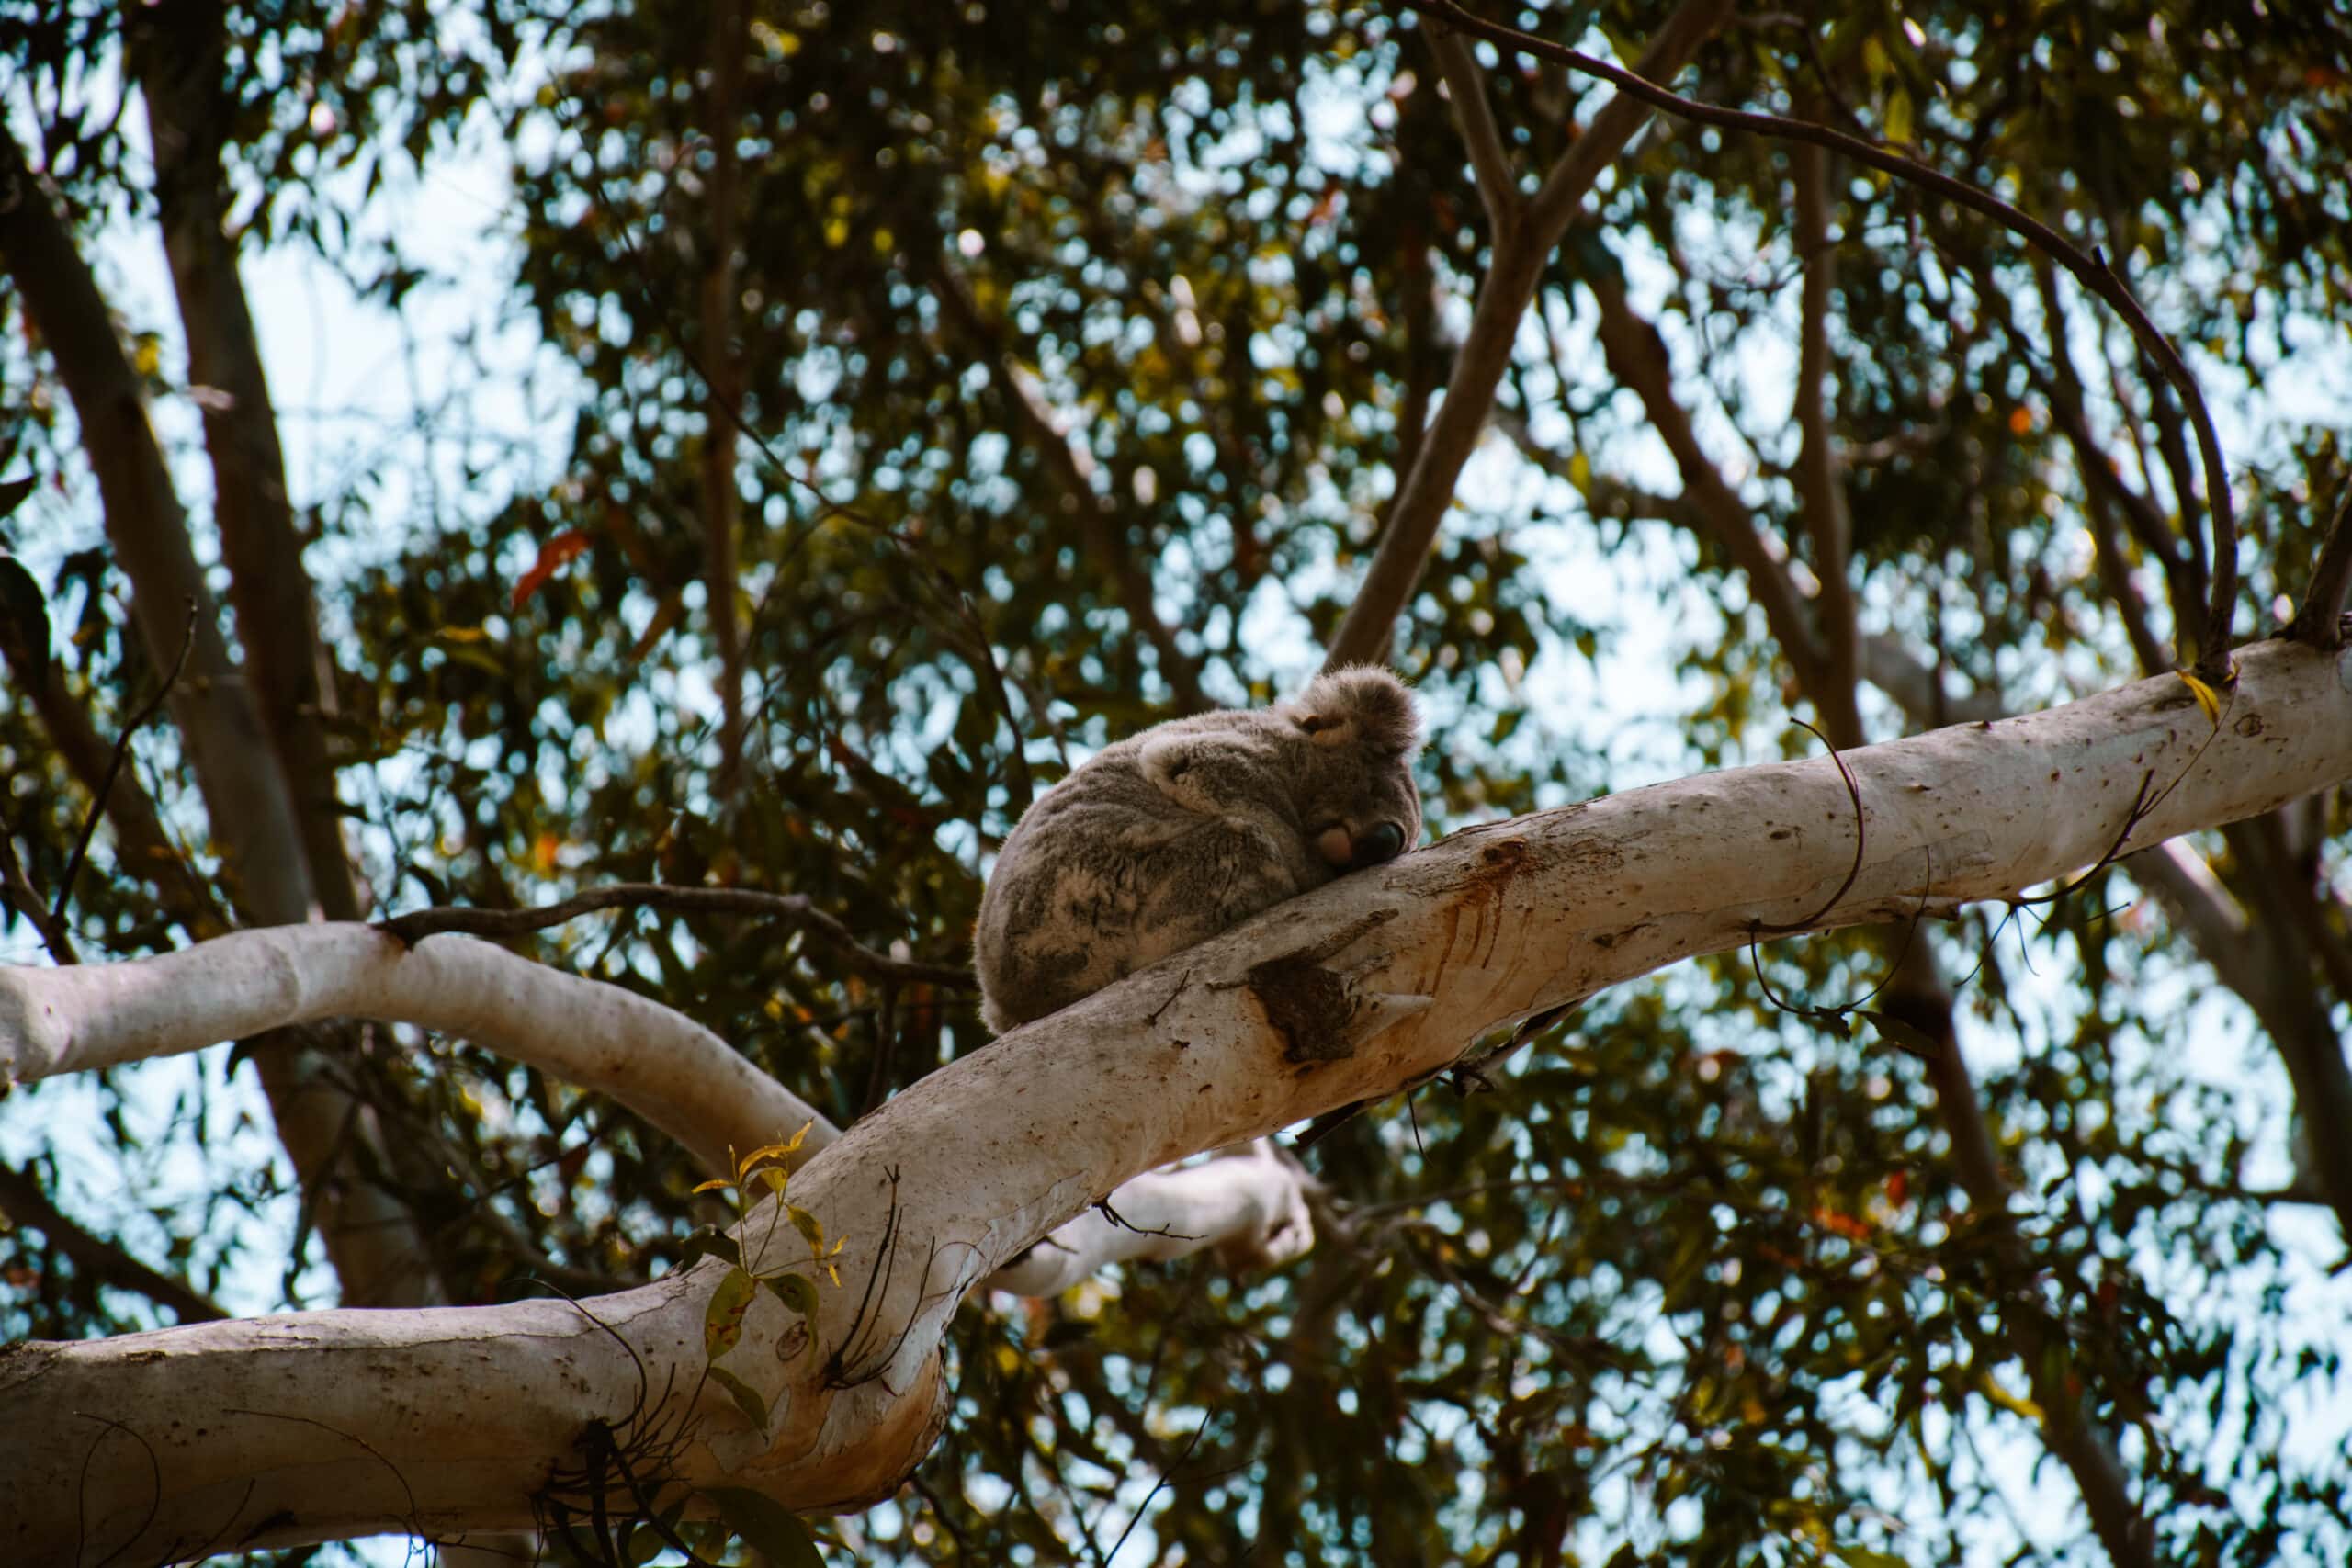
[(243, 791), (142, 847), (1638, 357), (1819, 483), (1921, 999), (369, 1238), (1515, 268), (794, 909), (17, 890), (95, 1258), (722, 367), (1490, 166), (114, 770), (2319, 619), (2091, 271), (179, 54)]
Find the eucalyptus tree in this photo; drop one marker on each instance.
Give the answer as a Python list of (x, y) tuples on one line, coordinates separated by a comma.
[(952, 390)]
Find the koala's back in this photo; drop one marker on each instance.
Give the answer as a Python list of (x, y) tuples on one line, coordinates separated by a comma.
[(1108, 872), (1168, 838)]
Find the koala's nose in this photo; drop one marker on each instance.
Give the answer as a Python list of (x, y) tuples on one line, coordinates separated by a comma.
[(1381, 842)]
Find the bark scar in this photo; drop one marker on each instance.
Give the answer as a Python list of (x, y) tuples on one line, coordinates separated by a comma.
[(1322, 1014)]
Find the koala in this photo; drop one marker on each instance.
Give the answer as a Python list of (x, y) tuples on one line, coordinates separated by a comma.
[(1173, 835)]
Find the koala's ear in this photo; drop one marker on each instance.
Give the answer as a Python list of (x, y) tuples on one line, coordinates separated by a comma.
[(1361, 704), (1324, 727)]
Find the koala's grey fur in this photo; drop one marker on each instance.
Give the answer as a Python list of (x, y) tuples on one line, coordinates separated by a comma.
[(1173, 835)]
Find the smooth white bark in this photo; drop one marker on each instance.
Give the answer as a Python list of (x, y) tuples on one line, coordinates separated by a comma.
[(329, 1424), (661, 1065)]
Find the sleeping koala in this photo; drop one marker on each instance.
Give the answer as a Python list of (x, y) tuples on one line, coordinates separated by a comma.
[(1173, 835)]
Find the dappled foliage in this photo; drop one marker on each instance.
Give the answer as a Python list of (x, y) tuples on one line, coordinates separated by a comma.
[(1082, 346)]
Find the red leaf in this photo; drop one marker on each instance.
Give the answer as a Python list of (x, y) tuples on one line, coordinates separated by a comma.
[(552, 556)]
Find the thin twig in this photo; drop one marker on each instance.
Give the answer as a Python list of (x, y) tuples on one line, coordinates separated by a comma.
[(93, 1257), (18, 889), (121, 749), (1854, 793), (794, 908), (2319, 620), (2091, 271)]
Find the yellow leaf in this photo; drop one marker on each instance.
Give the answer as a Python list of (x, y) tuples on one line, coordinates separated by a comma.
[(1898, 115), (722, 1320), (2207, 698), (715, 1184), (2007, 1401)]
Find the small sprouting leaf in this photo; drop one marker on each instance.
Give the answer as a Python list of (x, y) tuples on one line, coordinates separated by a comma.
[(722, 1320), (715, 1184), (772, 1151), (811, 1229), (709, 1241), (767, 1525), (747, 1398), (2207, 698), (794, 1292)]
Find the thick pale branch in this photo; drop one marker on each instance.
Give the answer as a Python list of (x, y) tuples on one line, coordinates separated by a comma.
[(1254, 1206), (1376, 981), (667, 1069)]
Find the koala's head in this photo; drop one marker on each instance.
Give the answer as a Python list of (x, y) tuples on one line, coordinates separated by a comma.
[(1358, 729)]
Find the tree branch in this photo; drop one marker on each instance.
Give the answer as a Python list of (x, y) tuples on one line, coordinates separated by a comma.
[(179, 55), (2091, 271), (722, 367), (93, 1257), (663, 1066), (1638, 357), (2319, 620), (792, 908), (233, 762), (1490, 166), (959, 1175), (1818, 479), (1515, 267)]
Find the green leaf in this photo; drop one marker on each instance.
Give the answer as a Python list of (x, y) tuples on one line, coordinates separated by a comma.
[(722, 1321), (747, 1398), (709, 1241), (767, 1525), (1903, 1036), (795, 1291)]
